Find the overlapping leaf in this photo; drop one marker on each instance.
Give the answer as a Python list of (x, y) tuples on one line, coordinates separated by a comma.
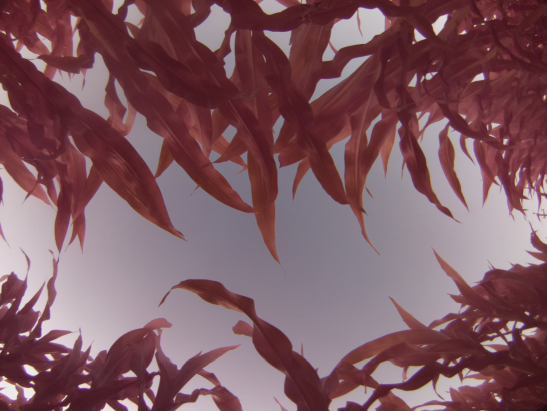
[(506, 306), (172, 79), (303, 385), (69, 379)]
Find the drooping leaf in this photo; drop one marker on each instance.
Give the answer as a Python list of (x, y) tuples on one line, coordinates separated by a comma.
[(290, 103), (447, 156), (303, 383), (417, 166)]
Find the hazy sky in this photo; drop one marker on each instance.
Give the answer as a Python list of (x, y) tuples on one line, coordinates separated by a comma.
[(333, 295)]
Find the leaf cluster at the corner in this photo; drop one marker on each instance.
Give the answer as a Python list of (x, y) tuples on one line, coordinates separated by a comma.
[(67, 378)]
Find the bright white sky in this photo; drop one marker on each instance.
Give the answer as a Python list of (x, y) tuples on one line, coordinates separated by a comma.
[(334, 293)]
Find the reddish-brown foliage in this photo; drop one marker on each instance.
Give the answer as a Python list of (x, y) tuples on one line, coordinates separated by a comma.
[(182, 89), (68, 378), (499, 338)]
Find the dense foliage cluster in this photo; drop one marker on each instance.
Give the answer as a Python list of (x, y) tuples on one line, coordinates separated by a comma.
[(498, 338), (484, 72), (69, 378)]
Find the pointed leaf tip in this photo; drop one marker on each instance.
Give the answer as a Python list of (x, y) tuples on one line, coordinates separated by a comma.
[(408, 318), (471, 296)]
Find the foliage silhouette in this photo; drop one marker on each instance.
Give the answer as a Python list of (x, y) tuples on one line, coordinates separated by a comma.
[(498, 337), (182, 89), (484, 72)]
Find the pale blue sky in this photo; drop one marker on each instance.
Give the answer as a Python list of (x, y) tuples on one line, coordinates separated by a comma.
[(334, 293)]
